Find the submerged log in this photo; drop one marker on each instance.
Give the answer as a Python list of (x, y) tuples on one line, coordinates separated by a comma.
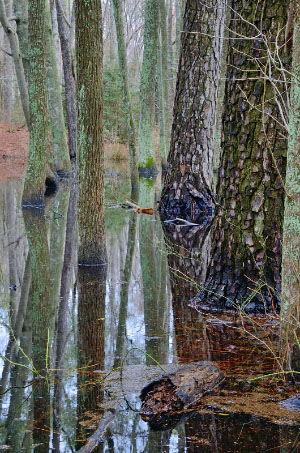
[(165, 400)]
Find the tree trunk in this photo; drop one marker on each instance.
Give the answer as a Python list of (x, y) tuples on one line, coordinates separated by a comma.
[(70, 89), (20, 74), (161, 108), (290, 295), (187, 184), (56, 114), (39, 147), (246, 250), (118, 14), (21, 13), (90, 159), (164, 78), (147, 165)]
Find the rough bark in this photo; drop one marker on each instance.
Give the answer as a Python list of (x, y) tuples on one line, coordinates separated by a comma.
[(187, 184), (56, 114), (90, 159), (290, 294), (39, 146), (246, 249), (118, 15), (15, 50), (147, 163), (70, 89)]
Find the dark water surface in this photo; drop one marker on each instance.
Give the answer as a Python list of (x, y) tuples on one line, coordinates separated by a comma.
[(53, 391)]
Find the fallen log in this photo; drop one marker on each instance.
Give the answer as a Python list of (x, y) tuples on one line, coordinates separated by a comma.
[(165, 400)]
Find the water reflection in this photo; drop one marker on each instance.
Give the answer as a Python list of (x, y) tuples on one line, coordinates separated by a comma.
[(69, 324)]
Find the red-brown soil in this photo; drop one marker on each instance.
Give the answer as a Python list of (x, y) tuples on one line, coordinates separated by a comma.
[(14, 144)]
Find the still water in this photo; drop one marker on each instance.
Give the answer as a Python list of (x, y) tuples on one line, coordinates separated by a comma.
[(56, 357)]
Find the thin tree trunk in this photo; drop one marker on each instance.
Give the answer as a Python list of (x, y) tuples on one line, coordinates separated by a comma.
[(188, 180), (147, 163), (56, 114), (165, 69), (171, 71), (21, 13), (162, 109), (118, 15), (70, 89), (90, 159), (15, 50), (290, 294)]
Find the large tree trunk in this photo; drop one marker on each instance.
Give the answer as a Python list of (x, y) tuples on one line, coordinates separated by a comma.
[(147, 163), (246, 249), (290, 295), (187, 185), (39, 147), (90, 159)]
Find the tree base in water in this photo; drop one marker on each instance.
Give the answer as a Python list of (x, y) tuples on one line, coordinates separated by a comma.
[(241, 294), (188, 207), (147, 172)]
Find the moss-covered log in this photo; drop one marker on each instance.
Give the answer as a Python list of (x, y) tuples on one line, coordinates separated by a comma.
[(177, 391)]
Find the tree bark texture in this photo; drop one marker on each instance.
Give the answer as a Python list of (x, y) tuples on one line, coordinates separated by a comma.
[(39, 146), (290, 294), (187, 184), (90, 160), (147, 163), (118, 15), (70, 89), (246, 250)]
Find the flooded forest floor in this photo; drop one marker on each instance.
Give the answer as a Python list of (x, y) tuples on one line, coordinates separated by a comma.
[(140, 309)]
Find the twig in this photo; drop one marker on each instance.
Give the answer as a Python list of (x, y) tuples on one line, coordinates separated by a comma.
[(97, 437)]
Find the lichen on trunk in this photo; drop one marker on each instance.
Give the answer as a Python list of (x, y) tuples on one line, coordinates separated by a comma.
[(39, 147)]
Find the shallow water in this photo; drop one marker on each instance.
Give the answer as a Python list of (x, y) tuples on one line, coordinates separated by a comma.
[(138, 305)]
